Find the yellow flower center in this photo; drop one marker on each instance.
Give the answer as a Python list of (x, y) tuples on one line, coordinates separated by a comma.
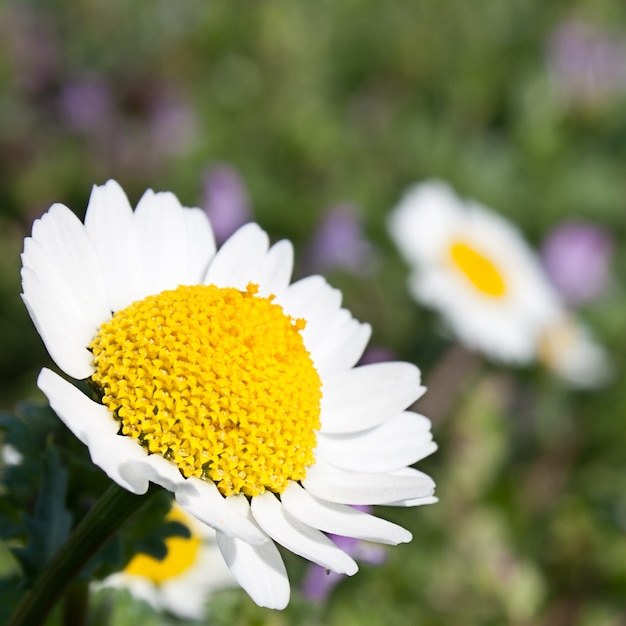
[(216, 380), (182, 553), (478, 269)]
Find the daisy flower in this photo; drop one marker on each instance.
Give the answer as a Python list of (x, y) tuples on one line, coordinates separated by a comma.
[(474, 268), (218, 379), (183, 581)]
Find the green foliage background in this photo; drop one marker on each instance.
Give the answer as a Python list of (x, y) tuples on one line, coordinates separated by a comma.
[(320, 102)]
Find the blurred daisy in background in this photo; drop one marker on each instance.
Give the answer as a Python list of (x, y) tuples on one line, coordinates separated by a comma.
[(475, 268), (183, 581), (568, 350), (217, 379)]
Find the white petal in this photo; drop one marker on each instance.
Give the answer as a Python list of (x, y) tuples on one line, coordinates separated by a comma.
[(200, 245), (155, 468), (62, 277), (399, 442), (203, 500), (72, 260), (342, 346), (110, 225), (277, 268), (240, 260), (361, 488), (340, 519), (60, 331), (162, 232), (299, 537), (313, 299), (93, 424), (368, 395), (259, 569), (414, 502)]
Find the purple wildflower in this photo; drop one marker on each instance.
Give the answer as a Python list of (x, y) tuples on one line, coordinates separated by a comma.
[(340, 243), (587, 65), (226, 201), (577, 256), (319, 582)]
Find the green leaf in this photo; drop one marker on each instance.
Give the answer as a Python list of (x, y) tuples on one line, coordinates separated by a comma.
[(51, 522)]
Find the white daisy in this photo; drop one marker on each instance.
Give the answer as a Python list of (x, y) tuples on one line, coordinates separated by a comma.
[(222, 382), (183, 581), (474, 268), (569, 351)]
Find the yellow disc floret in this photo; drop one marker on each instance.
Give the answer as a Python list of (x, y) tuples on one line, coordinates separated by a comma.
[(182, 553), (478, 269), (216, 380)]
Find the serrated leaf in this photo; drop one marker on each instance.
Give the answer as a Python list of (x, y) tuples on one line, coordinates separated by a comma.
[(11, 593), (50, 525)]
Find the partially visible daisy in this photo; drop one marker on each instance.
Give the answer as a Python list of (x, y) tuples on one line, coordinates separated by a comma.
[(475, 268), (183, 581), (219, 380), (568, 350)]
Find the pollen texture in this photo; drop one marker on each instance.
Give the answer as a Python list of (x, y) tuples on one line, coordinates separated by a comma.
[(216, 380), (478, 269)]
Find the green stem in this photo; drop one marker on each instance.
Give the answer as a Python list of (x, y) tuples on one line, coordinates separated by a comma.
[(76, 604), (95, 529)]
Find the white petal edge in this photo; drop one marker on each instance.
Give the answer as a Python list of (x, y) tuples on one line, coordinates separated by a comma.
[(259, 569), (93, 425), (334, 485), (111, 228), (341, 519), (298, 537), (60, 333), (397, 443), (72, 258), (366, 396), (201, 246), (342, 345), (202, 500), (240, 259), (276, 269), (313, 299)]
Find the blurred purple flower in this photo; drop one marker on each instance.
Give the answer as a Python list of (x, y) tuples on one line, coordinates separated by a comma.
[(85, 104), (172, 125), (319, 582), (340, 243), (377, 354), (586, 64), (226, 201), (577, 256)]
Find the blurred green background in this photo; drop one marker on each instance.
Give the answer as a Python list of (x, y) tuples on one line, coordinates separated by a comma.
[(320, 103)]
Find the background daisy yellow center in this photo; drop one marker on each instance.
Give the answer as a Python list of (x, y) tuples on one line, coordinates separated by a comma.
[(478, 269), (215, 379), (182, 553)]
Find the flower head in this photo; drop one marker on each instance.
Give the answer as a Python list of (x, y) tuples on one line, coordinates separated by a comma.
[(475, 268), (217, 379), (183, 581)]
